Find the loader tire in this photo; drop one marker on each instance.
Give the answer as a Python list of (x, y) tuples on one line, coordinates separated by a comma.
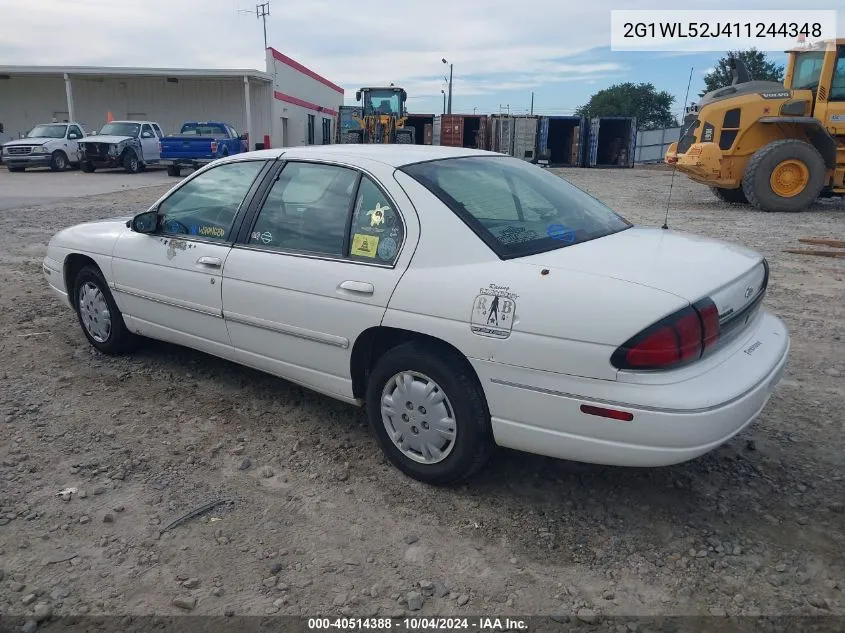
[(733, 196), (784, 176)]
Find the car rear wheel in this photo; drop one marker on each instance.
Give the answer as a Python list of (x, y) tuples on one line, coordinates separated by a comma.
[(785, 175), (429, 413), (131, 163), (87, 167), (98, 314), (58, 161)]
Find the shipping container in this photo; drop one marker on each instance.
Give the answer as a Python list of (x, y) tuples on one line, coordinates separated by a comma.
[(419, 123), (461, 130), (501, 134), (561, 141), (525, 138), (345, 122), (613, 140)]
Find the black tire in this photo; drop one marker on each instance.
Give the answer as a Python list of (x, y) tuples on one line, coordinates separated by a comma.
[(732, 196), (353, 136), (130, 162), (405, 136), (119, 339), (756, 182), (87, 167), (473, 442), (173, 170), (58, 161), (15, 169)]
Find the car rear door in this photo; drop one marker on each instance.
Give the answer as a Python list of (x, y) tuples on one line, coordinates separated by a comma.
[(306, 279), (149, 144), (169, 281)]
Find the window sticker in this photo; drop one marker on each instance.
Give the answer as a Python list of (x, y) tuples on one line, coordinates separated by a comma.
[(387, 248), (364, 245), (561, 233), (212, 231), (376, 215)]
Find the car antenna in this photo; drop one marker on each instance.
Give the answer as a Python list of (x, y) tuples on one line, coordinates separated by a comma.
[(675, 165)]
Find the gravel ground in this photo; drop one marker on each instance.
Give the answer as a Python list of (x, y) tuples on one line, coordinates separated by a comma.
[(316, 522)]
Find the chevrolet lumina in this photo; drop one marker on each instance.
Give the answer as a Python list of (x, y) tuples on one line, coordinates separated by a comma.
[(465, 299)]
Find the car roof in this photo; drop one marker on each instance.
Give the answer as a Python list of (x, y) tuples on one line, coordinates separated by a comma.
[(393, 155)]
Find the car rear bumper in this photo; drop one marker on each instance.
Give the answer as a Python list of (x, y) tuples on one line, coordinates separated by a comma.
[(30, 160), (187, 162), (533, 414)]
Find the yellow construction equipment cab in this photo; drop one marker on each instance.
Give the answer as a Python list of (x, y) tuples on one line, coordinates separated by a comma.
[(778, 147), (383, 117)]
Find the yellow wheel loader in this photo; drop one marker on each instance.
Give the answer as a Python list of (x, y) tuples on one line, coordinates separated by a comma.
[(382, 117), (776, 146)]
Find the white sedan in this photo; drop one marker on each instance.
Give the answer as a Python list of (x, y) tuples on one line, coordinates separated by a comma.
[(466, 299)]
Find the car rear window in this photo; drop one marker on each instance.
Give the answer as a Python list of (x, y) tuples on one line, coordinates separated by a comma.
[(517, 208)]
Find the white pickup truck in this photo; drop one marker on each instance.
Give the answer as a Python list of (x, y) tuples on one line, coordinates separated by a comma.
[(132, 145), (53, 145)]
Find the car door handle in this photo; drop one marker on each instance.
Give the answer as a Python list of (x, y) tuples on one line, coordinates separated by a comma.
[(214, 262), (361, 287)]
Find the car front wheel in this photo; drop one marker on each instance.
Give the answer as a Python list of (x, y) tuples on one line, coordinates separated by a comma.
[(98, 314), (429, 413)]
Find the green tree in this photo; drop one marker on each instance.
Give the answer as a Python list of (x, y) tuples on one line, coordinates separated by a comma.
[(653, 109), (758, 65)]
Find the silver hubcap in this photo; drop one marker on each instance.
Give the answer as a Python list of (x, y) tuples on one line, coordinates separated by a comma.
[(418, 417), (95, 312)]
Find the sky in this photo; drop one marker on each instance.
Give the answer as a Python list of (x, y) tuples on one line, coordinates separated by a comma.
[(501, 50)]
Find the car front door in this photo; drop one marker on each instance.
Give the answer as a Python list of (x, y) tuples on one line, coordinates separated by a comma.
[(314, 269), (74, 135), (169, 280), (149, 144)]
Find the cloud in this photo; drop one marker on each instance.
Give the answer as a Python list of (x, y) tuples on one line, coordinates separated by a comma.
[(498, 47)]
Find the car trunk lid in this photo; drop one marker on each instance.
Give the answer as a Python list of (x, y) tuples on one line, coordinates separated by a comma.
[(688, 266)]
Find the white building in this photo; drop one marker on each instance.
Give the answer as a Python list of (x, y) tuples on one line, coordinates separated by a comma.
[(287, 105)]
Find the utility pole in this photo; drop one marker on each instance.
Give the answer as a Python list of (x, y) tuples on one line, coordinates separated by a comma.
[(532, 102), (450, 84), (261, 12)]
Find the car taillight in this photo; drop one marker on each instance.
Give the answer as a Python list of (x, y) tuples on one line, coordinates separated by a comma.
[(673, 341), (213, 147)]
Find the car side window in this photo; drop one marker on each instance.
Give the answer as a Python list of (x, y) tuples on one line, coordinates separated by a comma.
[(206, 205), (306, 210), (146, 130), (158, 131), (377, 231), (74, 131), (837, 86)]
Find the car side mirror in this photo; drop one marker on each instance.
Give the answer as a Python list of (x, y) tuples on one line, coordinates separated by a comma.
[(146, 135), (93, 132), (146, 222)]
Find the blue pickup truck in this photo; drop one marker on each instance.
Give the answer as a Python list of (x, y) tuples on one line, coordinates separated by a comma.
[(198, 143)]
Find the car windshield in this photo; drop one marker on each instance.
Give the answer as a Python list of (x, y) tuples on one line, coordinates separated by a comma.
[(808, 70), (205, 129), (382, 102), (120, 129), (47, 131), (517, 208)]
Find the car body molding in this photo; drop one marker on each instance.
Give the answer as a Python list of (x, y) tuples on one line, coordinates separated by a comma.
[(282, 328), (176, 303)]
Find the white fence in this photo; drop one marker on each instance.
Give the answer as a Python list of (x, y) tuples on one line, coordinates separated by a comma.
[(652, 144)]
